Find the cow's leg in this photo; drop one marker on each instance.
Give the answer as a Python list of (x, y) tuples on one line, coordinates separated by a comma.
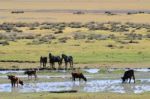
[(43, 64), (54, 65), (66, 65), (17, 82), (50, 64), (134, 78), (59, 63), (35, 76), (11, 84), (72, 64), (129, 79)]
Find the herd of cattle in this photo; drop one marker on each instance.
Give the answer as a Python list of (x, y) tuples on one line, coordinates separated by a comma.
[(56, 59), (128, 75)]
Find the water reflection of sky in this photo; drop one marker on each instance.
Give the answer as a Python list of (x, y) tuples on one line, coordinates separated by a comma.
[(91, 86)]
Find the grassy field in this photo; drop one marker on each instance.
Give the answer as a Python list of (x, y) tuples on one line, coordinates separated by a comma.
[(73, 96), (84, 51)]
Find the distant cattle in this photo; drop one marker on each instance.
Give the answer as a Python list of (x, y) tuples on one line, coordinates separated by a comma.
[(31, 73), (53, 59), (128, 75), (68, 59), (43, 61), (78, 75), (15, 80)]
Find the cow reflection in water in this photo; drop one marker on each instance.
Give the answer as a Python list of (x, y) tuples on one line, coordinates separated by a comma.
[(129, 88)]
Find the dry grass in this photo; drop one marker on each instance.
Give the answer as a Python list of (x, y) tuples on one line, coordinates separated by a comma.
[(69, 17)]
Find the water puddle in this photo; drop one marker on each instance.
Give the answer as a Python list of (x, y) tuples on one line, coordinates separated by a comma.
[(142, 70), (11, 71), (135, 69), (115, 86), (42, 76), (92, 70)]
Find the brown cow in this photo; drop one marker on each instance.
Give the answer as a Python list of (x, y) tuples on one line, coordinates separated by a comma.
[(15, 80), (78, 75)]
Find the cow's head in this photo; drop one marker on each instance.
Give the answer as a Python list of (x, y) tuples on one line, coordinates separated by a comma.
[(21, 82), (10, 76), (85, 79), (26, 72), (123, 79)]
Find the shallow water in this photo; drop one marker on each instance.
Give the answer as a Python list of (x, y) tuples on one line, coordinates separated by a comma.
[(92, 70), (142, 70), (143, 85), (41, 76), (11, 71), (135, 69)]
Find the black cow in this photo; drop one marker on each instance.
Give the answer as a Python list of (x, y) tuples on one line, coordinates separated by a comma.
[(53, 59), (128, 75), (43, 61), (78, 75), (31, 73), (68, 59)]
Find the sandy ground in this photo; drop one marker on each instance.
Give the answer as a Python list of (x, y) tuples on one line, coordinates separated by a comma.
[(69, 17), (75, 4)]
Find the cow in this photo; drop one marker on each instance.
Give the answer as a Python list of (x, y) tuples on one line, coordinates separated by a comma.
[(128, 75), (15, 80), (78, 75), (43, 61), (67, 59), (53, 59), (31, 73)]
